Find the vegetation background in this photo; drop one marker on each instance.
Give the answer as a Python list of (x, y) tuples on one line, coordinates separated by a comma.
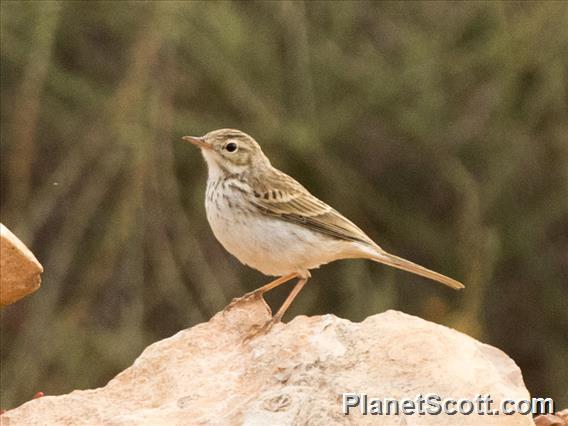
[(440, 128)]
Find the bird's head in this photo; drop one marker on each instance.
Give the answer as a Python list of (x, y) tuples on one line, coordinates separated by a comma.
[(229, 151)]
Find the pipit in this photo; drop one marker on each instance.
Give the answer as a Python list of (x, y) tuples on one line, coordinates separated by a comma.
[(270, 222)]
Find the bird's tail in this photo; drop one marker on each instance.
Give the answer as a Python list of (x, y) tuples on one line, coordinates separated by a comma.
[(406, 265)]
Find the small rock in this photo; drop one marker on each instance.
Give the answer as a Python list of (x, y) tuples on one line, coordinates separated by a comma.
[(558, 419), (20, 269)]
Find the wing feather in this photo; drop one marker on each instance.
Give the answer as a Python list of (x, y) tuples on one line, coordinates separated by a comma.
[(281, 196)]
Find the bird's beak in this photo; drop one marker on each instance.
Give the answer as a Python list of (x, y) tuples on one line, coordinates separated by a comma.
[(199, 141)]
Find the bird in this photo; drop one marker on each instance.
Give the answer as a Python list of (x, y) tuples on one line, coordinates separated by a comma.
[(270, 222)]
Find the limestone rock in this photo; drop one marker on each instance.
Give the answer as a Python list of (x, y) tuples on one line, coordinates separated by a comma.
[(19, 269), (558, 419), (295, 374)]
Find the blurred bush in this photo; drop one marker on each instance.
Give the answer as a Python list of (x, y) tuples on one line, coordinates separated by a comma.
[(440, 129)]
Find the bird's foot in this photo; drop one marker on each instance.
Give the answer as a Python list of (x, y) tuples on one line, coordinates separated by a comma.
[(260, 329), (245, 298)]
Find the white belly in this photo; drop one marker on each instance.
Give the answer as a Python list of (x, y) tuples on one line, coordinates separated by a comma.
[(270, 245)]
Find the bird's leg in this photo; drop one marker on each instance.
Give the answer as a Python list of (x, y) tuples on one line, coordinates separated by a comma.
[(260, 291), (295, 291), (278, 316)]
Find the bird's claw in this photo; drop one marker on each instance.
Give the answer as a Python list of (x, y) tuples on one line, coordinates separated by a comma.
[(260, 329), (246, 297)]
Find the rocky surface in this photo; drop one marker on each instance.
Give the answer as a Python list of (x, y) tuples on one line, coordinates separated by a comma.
[(19, 269), (295, 374), (558, 419)]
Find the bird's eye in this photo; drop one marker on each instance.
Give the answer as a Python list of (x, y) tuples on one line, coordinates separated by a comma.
[(231, 147)]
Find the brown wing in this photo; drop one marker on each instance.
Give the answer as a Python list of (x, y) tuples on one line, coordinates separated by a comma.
[(279, 195)]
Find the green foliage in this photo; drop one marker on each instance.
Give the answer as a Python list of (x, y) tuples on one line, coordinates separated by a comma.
[(440, 129)]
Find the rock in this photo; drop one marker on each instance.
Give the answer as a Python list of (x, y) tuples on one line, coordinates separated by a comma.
[(295, 374), (558, 419), (20, 269)]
